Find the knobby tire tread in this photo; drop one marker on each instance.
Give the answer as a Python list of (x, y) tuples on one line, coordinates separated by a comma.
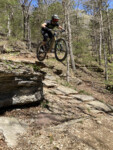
[(61, 39), (37, 52)]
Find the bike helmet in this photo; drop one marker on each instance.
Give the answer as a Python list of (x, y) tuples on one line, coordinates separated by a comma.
[(55, 18)]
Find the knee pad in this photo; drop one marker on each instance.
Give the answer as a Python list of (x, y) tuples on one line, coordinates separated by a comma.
[(45, 37)]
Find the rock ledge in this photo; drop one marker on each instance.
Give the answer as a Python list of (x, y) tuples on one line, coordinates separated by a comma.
[(20, 83)]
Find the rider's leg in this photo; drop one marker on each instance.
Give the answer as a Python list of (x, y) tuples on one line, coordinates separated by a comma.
[(52, 41), (45, 36)]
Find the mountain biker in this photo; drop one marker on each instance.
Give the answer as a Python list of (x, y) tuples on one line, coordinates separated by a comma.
[(48, 26)]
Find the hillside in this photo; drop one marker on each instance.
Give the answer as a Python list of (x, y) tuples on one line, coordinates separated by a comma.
[(76, 115)]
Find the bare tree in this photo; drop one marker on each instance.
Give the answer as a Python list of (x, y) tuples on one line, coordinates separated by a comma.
[(67, 6), (10, 14), (102, 40), (25, 4), (65, 24), (110, 46)]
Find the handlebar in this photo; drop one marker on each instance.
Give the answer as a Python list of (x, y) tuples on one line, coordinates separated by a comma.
[(60, 31), (56, 32)]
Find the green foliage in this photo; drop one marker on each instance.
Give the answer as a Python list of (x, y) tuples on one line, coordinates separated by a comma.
[(45, 104), (16, 25), (80, 47), (83, 92), (109, 85), (9, 9), (67, 84), (12, 39), (36, 67), (37, 18), (55, 8)]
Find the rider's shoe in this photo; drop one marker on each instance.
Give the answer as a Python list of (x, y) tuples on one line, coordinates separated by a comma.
[(41, 49)]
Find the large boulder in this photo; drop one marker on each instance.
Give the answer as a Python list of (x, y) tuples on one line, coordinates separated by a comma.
[(20, 83)]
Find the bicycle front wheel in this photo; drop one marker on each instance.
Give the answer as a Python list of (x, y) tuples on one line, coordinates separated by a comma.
[(41, 52), (60, 50)]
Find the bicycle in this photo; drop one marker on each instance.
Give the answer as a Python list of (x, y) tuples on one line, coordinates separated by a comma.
[(58, 44)]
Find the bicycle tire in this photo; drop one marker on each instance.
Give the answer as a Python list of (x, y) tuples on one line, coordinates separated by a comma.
[(38, 52), (60, 49)]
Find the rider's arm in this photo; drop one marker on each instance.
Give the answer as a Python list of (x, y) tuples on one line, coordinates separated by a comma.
[(60, 27), (44, 25)]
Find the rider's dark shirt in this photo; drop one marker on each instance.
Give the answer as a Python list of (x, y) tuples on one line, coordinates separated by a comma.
[(50, 25)]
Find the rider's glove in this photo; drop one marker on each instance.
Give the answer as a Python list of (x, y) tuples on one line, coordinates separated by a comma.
[(47, 29), (63, 30)]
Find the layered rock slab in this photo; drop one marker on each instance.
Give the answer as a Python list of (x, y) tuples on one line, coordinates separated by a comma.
[(20, 83), (11, 128)]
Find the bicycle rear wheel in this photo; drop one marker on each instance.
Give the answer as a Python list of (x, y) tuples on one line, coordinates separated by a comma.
[(60, 50), (41, 52)]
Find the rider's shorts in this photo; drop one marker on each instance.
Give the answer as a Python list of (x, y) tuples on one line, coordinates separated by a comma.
[(46, 34)]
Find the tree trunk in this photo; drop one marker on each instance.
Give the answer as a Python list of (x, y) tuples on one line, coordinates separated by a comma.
[(28, 34), (9, 26), (103, 42), (109, 32), (106, 62), (65, 16), (25, 8), (100, 49), (69, 37), (70, 41), (24, 22)]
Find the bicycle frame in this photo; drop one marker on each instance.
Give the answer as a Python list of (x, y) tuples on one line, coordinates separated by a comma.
[(52, 41)]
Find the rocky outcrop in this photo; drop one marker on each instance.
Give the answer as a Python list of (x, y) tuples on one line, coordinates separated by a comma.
[(11, 128), (66, 119), (20, 83)]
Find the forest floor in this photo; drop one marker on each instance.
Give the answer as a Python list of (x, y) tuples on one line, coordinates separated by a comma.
[(79, 120)]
